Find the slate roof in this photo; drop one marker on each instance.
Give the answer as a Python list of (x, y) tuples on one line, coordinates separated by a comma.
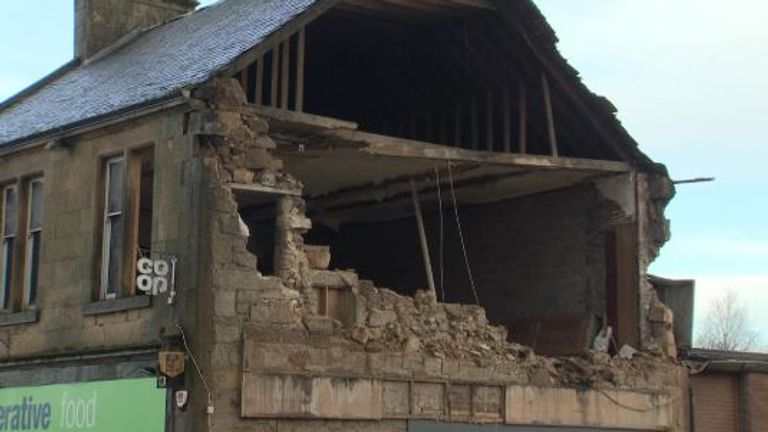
[(154, 65)]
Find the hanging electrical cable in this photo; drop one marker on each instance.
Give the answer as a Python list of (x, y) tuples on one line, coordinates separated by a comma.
[(461, 235), (209, 408), (441, 250)]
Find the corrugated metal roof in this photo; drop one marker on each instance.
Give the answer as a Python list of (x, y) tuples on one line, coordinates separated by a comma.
[(154, 65)]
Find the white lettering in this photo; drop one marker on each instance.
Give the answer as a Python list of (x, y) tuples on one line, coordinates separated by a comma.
[(78, 414), (144, 283), (144, 266), (161, 268)]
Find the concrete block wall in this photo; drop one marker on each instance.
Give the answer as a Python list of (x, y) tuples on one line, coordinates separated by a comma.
[(531, 256), (68, 269)]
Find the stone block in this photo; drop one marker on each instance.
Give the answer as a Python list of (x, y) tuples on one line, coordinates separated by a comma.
[(225, 333), (610, 409), (433, 367), (470, 372), (224, 303), (319, 257), (274, 311), (333, 279), (459, 400), (428, 400), (319, 325), (225, 355), (488, 402), (387, 364), (242, 175), (396, 399), (450, 368), (380, 318)]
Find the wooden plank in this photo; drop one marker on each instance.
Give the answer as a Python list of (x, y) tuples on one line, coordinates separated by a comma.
[(429, 126), (422, 238), (489, 121), (256, 188), (301, 20), (457, 124), (383, 145), (627, 295), (130, 213), (550, 115), (285, 79), (259, 92), (274, 72), (301, 52), (572, 90), (522, 113), (15, 300), (244, 81), (507, 121), (475, 120), (443, 139), (306, 120), (412, 125)]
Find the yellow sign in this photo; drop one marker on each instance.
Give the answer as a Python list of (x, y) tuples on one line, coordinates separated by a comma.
[(171, 363)]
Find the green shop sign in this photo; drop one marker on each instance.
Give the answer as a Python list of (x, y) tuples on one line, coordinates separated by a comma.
[(106, 406)]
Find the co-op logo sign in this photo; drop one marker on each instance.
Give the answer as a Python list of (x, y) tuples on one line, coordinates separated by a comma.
[(156, 275), (75, 413)]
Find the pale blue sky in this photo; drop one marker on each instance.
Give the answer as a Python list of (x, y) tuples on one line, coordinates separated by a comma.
[(690, 80)]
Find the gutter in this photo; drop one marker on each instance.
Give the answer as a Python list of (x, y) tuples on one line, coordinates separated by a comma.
[(56, 135), (732, 366)]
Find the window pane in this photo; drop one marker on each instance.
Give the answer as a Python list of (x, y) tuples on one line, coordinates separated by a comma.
[(115, 187), (9, 210), (32, 265), (6, 267), (115, 254), (36, 205)]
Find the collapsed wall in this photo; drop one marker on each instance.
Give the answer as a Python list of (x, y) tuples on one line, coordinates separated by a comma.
[(319, 343)]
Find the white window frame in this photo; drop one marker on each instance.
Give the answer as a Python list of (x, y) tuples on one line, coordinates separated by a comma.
[(31, 245), (108, 218), (8, 244)]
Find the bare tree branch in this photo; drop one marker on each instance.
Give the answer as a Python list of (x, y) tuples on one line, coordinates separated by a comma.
[(727, 326)]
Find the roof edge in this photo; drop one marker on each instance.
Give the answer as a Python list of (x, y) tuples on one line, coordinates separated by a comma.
[(85, 125), (37, 85)]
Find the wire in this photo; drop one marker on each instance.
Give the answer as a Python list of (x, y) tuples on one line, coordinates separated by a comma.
[(461, 235), (442, 235), (209, 408), (654, 406)]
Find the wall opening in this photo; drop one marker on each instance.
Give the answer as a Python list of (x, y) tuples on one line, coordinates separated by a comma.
[(538, 262)]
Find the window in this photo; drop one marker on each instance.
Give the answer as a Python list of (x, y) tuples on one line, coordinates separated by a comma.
[(127, 220), (112, 234), (34, 239), (9, 201)]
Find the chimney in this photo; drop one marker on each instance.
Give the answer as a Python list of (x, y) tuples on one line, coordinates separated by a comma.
[(100, 23)]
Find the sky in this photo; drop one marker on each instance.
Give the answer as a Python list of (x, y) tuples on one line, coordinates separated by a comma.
[(690, 80)]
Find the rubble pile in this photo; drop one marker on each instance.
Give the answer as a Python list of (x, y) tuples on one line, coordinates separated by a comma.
[(421, 324)]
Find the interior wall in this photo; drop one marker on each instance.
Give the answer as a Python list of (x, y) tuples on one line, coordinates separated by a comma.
[(530, 257)]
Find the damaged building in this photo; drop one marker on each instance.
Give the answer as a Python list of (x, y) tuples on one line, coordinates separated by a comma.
[(341, 214)]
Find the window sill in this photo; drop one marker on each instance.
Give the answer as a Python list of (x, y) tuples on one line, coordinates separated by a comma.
[(26, 317), (117, 305)]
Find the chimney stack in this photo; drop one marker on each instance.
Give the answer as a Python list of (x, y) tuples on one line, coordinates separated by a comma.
[(100, 23)]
